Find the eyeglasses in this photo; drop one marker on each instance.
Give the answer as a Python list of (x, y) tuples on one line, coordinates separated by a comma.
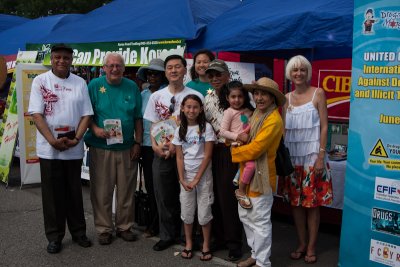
[(112, 66), (212, 75), (172, 106), (153, 73)]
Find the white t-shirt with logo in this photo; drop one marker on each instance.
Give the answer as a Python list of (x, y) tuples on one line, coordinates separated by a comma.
[(193, 147), (157, 108), (62, 102)]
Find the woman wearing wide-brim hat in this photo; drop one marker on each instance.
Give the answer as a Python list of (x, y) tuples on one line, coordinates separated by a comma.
[(266, 129), (154, 74)]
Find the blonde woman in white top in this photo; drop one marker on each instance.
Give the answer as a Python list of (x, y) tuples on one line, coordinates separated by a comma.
[(306, 127)]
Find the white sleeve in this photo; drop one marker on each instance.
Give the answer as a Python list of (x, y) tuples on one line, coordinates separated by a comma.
[(210, 135), (149, 113), (87, 104), (36, 103), (176, 141)]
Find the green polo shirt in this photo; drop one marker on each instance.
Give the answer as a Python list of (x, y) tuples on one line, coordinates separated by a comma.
[(199, 86), (122, 102)]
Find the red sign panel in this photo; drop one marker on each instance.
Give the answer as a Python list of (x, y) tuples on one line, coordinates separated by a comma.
[(334, 76)]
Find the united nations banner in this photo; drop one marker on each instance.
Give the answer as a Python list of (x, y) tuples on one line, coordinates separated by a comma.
[(371, 214)]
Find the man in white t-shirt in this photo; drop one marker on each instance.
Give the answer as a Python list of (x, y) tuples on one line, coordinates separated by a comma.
[(61, 109), (162, 105)]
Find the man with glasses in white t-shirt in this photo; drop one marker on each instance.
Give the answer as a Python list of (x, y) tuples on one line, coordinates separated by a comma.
[(163, 105)]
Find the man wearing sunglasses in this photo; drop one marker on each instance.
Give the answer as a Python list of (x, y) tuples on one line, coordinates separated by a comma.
[(165, 104), (226, 228)]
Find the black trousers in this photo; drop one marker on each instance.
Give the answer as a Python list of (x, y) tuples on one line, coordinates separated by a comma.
[(166, 190), (147, 154), (62, 198), (227, 228)]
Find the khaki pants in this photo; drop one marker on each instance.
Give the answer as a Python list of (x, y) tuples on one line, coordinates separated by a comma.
[(109, 170)]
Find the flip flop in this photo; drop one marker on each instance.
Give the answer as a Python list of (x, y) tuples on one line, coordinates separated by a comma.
[(188, 252), (204, 255), (307, 259), (297, 255), (244, 201)]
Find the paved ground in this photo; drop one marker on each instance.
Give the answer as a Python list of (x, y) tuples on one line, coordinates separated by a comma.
[(22, 240)]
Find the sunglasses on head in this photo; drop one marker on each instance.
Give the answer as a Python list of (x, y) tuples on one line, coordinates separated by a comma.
[(172, 106)]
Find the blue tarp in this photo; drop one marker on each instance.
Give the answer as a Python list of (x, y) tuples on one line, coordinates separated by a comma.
[(322, 27), (9, 21), (279, 28), (130, 20), (15, 38)]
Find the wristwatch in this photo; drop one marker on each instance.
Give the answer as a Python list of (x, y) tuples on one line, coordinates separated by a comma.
[(136, 142)]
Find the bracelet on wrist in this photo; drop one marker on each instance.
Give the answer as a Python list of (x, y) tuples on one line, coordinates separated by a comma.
[(322, 149), (77, 139)]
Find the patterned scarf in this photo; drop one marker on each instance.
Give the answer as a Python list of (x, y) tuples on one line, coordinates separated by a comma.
[(260, 182)]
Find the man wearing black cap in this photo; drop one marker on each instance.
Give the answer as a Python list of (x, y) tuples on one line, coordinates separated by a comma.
[(227, 228), (61, 109)]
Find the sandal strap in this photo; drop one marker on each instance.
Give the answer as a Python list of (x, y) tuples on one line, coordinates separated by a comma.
[(206, 253)]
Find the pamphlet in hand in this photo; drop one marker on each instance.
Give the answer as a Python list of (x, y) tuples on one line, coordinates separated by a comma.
[(114, 128), (163, 131)]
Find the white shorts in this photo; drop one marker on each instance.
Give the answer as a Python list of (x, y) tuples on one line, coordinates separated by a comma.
[(201, 196)]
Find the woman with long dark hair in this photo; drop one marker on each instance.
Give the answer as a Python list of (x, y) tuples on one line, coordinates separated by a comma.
[(194, 140), (199, 82)]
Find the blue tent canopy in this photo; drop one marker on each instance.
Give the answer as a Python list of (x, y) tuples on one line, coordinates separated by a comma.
[(126, 20), (322, 28), (30, 32), (9, 21)]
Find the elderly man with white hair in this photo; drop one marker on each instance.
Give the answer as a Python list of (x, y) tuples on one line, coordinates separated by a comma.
[(114, 140)]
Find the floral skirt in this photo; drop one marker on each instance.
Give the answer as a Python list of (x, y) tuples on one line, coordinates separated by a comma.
[(304, 188)]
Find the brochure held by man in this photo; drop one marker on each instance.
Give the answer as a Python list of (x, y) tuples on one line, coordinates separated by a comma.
[(163, 131)]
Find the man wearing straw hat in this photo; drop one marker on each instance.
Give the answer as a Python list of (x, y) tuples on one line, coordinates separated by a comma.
[(265, 133)]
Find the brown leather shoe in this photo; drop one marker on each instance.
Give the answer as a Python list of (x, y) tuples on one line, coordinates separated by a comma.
[(105, 238), (127, 235), (247, 263)]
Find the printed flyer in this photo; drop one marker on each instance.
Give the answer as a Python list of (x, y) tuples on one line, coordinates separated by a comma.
[(370, 226)]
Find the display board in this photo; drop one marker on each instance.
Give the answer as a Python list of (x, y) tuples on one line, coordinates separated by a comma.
[(29, 161), (240, 71), (9, 125), (371, 215)]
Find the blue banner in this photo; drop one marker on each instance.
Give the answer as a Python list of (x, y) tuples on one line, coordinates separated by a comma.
[(370, 226)]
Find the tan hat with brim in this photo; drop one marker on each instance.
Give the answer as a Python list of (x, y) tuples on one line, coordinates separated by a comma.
[(268, 85)]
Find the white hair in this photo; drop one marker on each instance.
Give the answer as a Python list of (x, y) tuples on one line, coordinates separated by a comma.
[(113, 54), (296, 62)]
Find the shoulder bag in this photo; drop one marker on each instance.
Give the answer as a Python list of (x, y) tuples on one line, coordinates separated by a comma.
[(283, 163)]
